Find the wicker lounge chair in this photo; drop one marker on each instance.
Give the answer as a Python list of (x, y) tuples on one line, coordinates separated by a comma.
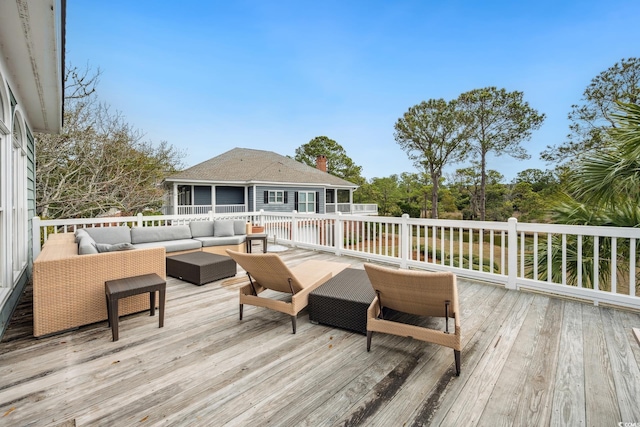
[(267, 271), (419, 293)]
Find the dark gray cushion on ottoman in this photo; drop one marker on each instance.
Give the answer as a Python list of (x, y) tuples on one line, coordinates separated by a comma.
[(200, 267)]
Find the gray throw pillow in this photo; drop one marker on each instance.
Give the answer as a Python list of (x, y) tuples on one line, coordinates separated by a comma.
[(87, 246), (201, 228), (239, 227), (79, 233), (223, 228), (105, 247)]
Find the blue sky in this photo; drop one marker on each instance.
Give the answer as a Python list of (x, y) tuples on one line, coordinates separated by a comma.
[(208, 76)]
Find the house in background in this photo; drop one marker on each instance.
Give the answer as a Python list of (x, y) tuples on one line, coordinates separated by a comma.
[(247, 180), (31, 96)]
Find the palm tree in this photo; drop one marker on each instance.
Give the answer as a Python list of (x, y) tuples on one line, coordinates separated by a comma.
[(605, 191)]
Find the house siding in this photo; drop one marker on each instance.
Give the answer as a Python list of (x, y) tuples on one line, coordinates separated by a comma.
[(290, 205)]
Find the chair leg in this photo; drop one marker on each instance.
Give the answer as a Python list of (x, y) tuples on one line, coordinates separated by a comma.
[(293, 323), (241, 306), (369, 334), (456, 355)]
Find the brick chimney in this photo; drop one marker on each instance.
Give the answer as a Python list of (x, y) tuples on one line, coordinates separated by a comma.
[(321, 163)]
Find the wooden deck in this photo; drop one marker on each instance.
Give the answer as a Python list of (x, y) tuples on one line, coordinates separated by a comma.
[(527, 360)]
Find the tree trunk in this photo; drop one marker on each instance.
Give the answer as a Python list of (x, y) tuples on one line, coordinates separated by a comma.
[(483, 184), (434, 196)]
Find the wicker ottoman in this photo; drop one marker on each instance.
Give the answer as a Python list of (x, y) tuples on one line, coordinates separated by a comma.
[(343, 301), (200, 267)]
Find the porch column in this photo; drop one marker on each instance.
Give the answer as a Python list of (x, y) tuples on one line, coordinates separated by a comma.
[(253, 208), (213, 198), (175, 199), (351, 200)]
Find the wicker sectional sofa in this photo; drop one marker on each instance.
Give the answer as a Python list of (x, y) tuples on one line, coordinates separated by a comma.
[(68, 289), (69, 273)]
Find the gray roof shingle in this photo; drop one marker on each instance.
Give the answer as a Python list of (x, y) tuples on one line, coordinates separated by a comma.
[(244, 165)]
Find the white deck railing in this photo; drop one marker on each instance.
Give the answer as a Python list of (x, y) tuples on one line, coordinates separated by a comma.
[(598, 264)]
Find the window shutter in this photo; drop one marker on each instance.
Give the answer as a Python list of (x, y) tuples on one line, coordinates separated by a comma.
[(295, 202), (266, 197), (317, 202), (285, 197)]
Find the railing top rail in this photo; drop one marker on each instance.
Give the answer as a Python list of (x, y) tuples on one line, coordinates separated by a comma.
[(584, 230), (456, 223)]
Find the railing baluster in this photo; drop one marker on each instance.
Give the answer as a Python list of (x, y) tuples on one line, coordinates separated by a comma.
[(564, 259), (503, 252), (471, 249), (491, 251), (614, 267), (480, 249), (522, 251), (579, 260), (632, 267), (451, 255), (596, 262), (461, 248), (549, 257), (535, 256), (442, 255), (434, 245)]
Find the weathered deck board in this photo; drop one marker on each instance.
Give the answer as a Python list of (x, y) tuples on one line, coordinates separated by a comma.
[(568, 398), (526, 360), (535, 403), (507, 392), (600, 391), (626, 373)]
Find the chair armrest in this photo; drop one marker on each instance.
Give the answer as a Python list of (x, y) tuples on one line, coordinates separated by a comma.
[(301, 299), (374, 309)]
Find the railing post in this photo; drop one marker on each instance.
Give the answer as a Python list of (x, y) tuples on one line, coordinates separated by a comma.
[(139, 215), (260, 220), (294, 228), (35, 225), (512, 253), (210, 215), (405, 247), (338, 234)]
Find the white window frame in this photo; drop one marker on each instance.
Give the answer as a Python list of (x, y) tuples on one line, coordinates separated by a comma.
[(5, 135), (276, 197), (304, 201), (19, 198)]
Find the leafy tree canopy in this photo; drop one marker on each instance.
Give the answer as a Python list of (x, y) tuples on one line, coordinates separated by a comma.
[(501, 120), (434, 134), (98, 162), (338, 163), (591, 119)]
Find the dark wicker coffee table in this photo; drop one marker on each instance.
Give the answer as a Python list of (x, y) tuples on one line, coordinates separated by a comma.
[(200, 267), (343, 301)]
